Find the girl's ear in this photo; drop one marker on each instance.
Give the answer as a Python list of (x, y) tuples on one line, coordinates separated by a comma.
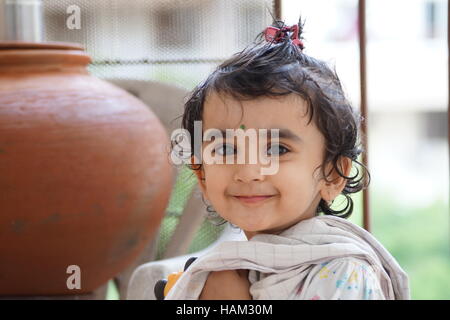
[(334, 184)]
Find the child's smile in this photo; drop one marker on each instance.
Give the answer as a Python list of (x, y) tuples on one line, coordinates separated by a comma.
[(254, 200), (239, 192)]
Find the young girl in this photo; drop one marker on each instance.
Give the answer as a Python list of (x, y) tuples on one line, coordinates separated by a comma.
[(291, 252)]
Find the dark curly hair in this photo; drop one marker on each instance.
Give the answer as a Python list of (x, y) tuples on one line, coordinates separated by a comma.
[(269, 69)]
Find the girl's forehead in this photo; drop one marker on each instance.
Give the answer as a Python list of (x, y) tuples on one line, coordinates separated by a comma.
[(222, 111)]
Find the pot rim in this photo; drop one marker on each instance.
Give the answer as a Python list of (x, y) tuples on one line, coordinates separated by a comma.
[(23, 54), (55, 45)]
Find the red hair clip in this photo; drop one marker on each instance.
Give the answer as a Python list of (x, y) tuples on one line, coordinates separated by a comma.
[(276, 35)]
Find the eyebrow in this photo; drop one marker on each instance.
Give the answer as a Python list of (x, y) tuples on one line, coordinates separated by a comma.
[(283, 133)]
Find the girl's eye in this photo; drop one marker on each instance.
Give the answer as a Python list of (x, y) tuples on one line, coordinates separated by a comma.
[(224, 149), (277, 150)]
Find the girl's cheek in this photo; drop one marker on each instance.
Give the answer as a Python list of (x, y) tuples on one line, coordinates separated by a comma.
[(288, 172), (217, 176)]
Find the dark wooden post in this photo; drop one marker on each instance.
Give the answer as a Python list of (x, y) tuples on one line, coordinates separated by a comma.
[(364, 112), (277, 9)]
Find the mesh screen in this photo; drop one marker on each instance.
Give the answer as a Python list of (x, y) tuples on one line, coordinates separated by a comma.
[(174, 41), (178, 42)]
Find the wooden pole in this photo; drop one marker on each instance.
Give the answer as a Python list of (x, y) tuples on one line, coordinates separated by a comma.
[(364, 112), (277, 9)]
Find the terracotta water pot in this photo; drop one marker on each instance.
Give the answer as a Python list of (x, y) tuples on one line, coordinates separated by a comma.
[(84, 172)]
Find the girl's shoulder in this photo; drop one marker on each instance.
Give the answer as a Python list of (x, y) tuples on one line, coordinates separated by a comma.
[(343, 278), (345, 265), (349, 262)]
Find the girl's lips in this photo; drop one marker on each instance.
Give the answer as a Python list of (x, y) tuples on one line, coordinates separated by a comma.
[(253, 199)]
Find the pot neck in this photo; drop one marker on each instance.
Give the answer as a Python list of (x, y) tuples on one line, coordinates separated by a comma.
[(17, 56)]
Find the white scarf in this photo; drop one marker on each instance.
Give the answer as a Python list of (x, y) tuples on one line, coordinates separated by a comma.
[(289, 255)]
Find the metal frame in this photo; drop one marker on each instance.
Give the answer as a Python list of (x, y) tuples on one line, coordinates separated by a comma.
[(364, 111), (448, 65)]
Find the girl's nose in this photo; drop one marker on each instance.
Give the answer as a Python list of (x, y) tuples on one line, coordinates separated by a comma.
[(248, 173)]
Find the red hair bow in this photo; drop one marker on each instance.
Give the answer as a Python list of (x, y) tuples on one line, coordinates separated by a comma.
[(276, 35)]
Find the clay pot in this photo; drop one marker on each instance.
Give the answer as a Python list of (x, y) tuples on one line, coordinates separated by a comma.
[(84, 172)]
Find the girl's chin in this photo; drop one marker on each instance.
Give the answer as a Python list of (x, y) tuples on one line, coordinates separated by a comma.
[(254, 228)]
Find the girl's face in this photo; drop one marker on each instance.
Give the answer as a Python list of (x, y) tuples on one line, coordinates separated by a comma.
[(293, 192)]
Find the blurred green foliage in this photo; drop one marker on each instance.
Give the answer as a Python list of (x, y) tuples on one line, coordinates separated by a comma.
[(418, 238)]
